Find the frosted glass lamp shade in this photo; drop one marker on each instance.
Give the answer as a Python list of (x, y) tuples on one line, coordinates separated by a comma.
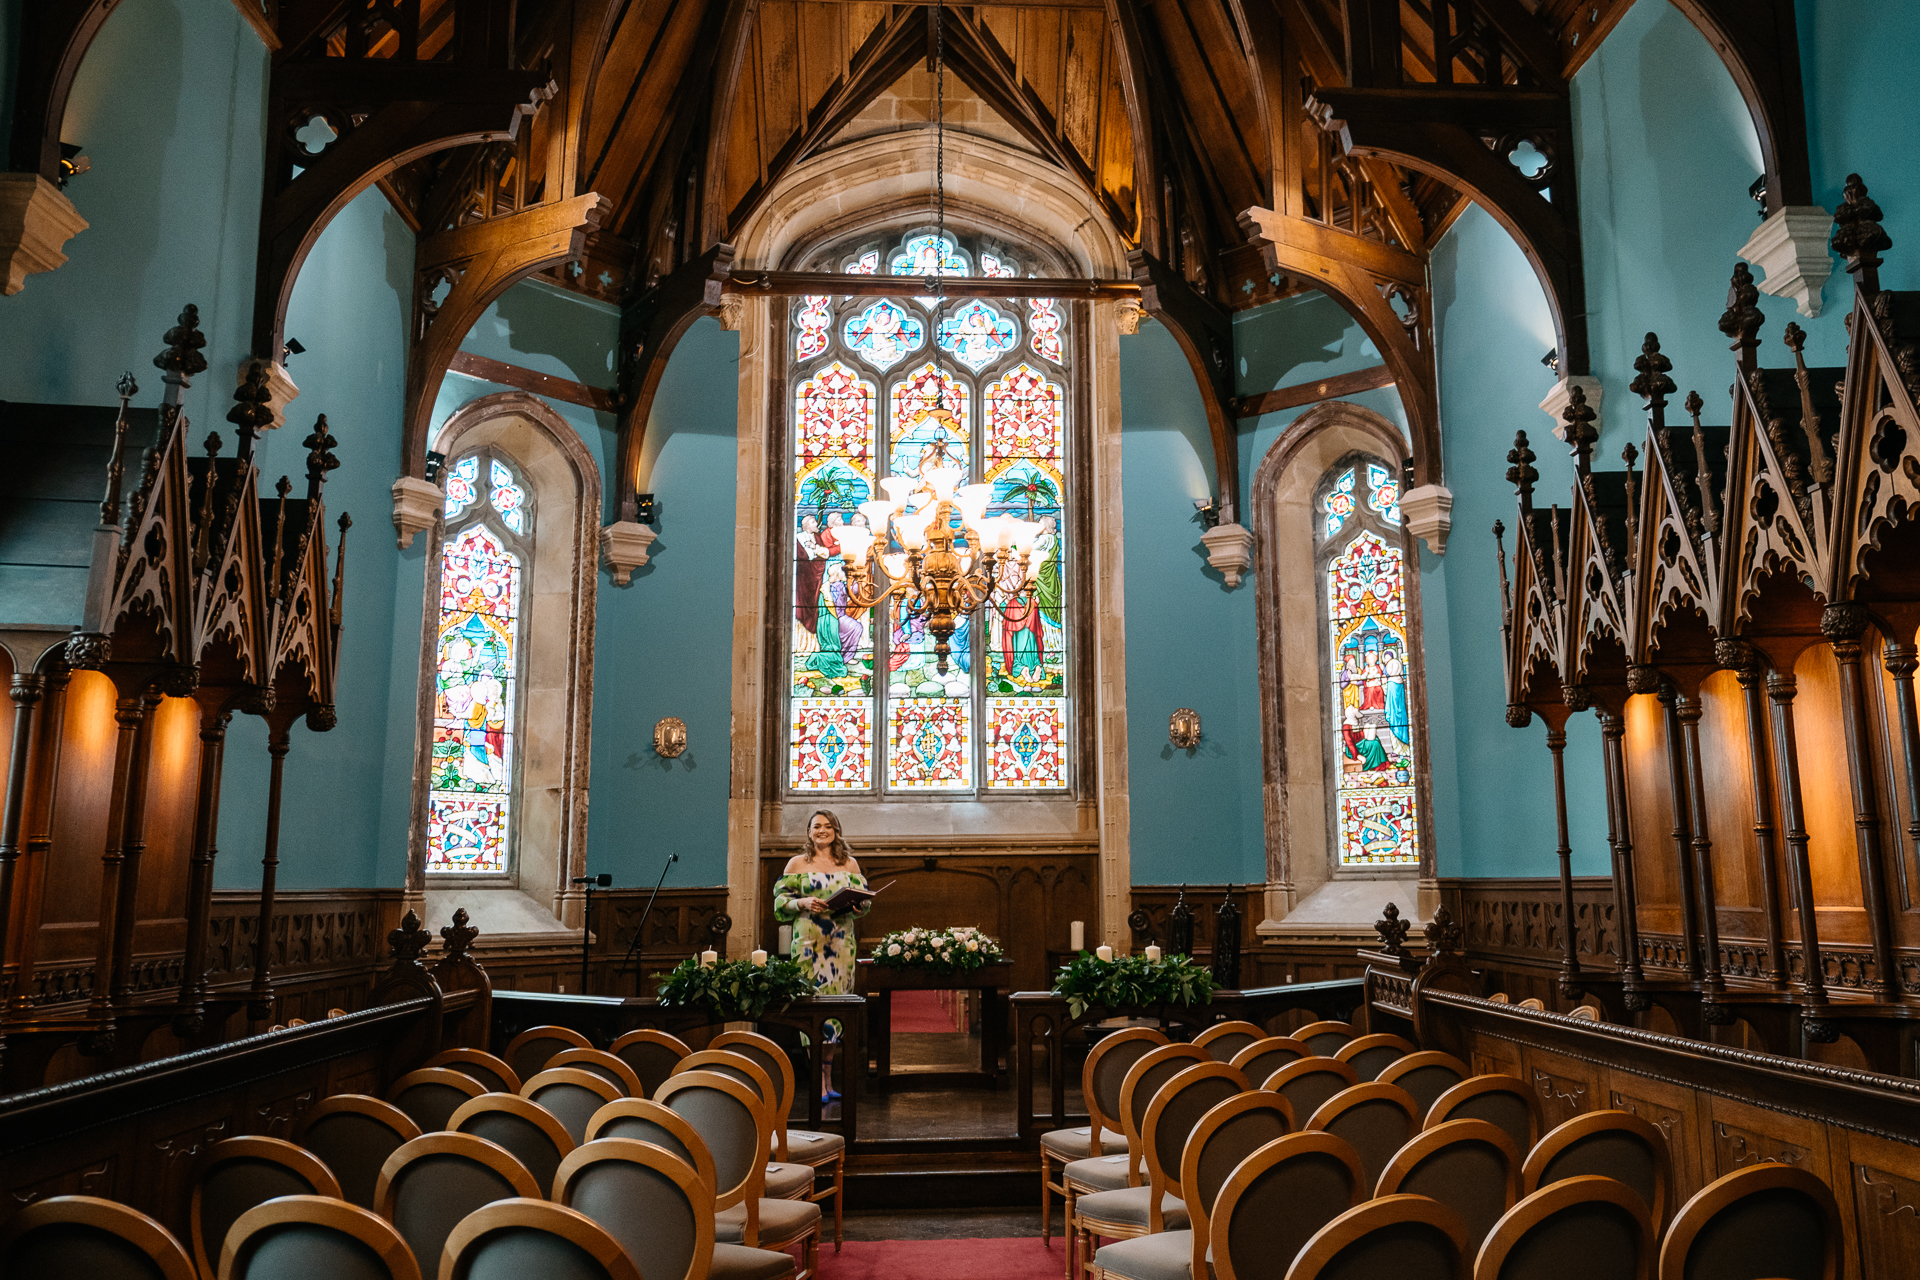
[(878, 512), (899, 489), (972, 500), (943, 480), (912, 528)]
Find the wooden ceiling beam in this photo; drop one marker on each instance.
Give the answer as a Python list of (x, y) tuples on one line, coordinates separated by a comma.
[(796, 284)]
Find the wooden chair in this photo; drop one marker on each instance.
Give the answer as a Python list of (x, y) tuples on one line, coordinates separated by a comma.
[(1227, 1134), (1470, 1166), (239, 1173), (603, 1064), (1370, 1055), (1609, 1144), (527, 1053), (1407, 1237), (828, 1159), (1499, 1099), (1259, 1060), (429, 1185), (1376, 1119), (1277, 1199), (1155, 1067), (67, 1236), (1583, 1228), (527, 1238), (786, 1179), (1308, 1083), (653, 1055), (1100, 1079), (1590, 1013), (572, 1095), (731, 1120), (314, 1236), (1225, 1039), (650, 1200), (528, 1131), (1426, 1075), (353, 1135), (1533, 1002), (1500, 997), (1170, 1119), (482, 1066), (431, 1095), (1768, 1220), (1325, 1038)]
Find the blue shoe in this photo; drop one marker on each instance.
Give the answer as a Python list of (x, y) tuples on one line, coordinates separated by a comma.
[(829, 1096)]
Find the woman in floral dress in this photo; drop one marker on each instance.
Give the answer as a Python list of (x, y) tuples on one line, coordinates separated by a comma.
[(823, 943)]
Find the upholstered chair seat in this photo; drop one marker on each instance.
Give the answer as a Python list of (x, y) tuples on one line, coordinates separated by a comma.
[(1166, 1255), (1128, 1207), (1068, 1145), (1098, 1173), (737, 1262), (811, 1146), (779, 1220), (787, 1181)]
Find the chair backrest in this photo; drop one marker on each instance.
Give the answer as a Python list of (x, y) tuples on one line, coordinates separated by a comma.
[(1225, 1039), (1145, 1078), (638, 1120), (1534, 1003), (1764, 1220), (1500, 997), (1263, 1057), (431, 1095), (532, 1134), (1407, 1237), (67, 1236), (518, 1239), (771, 1059), (429, 1185), (353, 1135), (573, 1095), (1325, 1038), (602, 1064), (489, 1070), (739, 1066), (1583, 1228), (1370, 1055), (1608, 1144), (1170, 1121), (1106, 1071), (1498, 1099), (1590, 1013), (1470, 1166), (1376, 1118), (731, 1121), (653, 1055), (313, 1238), (1308, 1083), (659, 1209), (239, 1173), (1277, 1198), (1426, 1075), (1226, 1135), (527, 1053)]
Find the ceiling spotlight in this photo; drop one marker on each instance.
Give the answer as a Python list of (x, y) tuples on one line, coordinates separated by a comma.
[(293, 348), (72, 163), (1552, 360)]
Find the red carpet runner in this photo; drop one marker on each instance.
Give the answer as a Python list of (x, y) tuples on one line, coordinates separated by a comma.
[(1025, 1259), (920, 1011)]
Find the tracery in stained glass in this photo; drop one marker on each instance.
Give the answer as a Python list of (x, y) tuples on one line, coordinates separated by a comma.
[(1383, 493), (816, 325), (929, 254), (1043, 328), (1025, 417), (884, 334), (930, 744), (508, 497), (463, 488), (992, 264), (475, 680), (977, 335), (921, 438), (866, 264), (1337, 505)]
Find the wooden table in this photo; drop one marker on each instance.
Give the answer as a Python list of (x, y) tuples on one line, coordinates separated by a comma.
[(878, 984)]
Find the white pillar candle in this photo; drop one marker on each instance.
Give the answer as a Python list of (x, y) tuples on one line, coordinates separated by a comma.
[(786, 939), (1153, 953), (709, 958), (760, 959), (1104, 952), (1077, 936)]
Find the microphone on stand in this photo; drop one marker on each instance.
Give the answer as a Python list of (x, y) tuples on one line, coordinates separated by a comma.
[(634, 949), (603, 881)]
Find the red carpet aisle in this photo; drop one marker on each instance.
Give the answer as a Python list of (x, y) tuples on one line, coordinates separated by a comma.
[(1024, 1259), (921, 1011)]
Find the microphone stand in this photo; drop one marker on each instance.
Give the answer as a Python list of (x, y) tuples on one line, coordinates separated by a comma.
[(634, 949), (603, 880)]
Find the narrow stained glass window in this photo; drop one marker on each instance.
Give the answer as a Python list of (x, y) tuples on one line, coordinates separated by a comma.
[(1044, 324), (1375, 819), (476, 700)]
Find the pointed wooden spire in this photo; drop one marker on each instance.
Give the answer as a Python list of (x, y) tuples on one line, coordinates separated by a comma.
[(203, 518), (1702, 469), (1520, 473), (252, 411), (1500, 554), (182, 358), (340, 569), (1651, 382), (1820, 461), (1742, 319), (126, 389), (1858, 237), (283, 488), (1631, 455), (320, 460), (1582, 435)]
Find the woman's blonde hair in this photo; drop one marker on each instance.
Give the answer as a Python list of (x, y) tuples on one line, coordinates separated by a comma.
[(841, 850)]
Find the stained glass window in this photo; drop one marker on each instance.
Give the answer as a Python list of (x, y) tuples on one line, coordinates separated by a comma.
[(999, 717), (476, 683), (1376, 813)]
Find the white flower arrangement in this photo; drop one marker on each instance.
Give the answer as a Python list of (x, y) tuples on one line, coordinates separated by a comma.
[(958, 950)]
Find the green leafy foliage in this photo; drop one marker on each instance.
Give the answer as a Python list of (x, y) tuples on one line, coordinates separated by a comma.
[(1132, 982), (736, 989), (937, 951)]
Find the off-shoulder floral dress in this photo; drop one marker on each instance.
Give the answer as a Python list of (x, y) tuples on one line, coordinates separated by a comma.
[(824, 945)]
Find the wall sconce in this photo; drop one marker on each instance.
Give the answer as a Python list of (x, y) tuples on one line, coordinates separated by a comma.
[(1209, 512), (72, 163), (670, 737), (1552, 360), (644, 511), (1183, 729)]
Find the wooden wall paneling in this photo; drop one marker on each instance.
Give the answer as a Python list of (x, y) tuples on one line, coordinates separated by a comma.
[(1828, 799), (1497, 1057), (1671, 1108), (1650, 799), (1567, 1087), (1739, 1135), (1877, 1183)]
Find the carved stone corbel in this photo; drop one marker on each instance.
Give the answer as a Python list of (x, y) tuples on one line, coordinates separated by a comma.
[(1428, 509), (1791, 247), (1555, 405), (36, 221), (1230, 550), (624, 544), (416, 505)]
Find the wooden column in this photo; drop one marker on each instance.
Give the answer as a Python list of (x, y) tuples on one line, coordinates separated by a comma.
[(133, 848), (1556, 718), (1781, 689), (1613, 732), (1746, 669), (26, 691), (30, 879), (131, 715), (1687, 711), (1682, 835), (1844, 624), (214, 715), (260, 998), (1901, 660)]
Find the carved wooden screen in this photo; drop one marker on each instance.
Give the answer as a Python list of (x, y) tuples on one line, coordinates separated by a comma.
[(1360, 555), (864, 384), (483, 590)]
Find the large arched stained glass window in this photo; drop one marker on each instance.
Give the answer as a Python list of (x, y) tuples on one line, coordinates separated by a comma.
[(869, 710), (1357, 529), (483, 591)]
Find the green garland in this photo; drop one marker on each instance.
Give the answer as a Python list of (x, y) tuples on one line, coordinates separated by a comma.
[(737, 990), (937, 951), (1132, 982)]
